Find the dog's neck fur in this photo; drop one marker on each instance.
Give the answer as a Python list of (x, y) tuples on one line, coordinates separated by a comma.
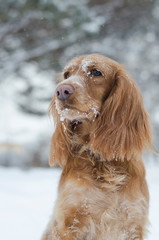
[(111, 175)]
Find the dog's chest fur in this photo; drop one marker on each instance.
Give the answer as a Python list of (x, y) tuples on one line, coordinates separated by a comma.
[(85, 211)]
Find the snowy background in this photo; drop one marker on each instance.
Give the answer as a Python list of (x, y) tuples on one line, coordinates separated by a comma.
[(37, 38)]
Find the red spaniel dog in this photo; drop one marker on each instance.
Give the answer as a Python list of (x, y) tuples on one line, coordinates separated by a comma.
[(101, 130)]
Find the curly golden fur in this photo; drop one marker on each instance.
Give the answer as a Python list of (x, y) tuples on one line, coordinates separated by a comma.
[(101, 129)]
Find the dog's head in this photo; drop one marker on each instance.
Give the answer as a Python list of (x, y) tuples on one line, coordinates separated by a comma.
[(97, 106)]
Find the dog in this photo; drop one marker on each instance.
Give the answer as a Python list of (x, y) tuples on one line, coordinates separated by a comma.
[(101, 129)]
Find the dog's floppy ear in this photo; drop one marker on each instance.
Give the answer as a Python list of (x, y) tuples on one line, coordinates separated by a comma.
[(58, 146), (122, 129)]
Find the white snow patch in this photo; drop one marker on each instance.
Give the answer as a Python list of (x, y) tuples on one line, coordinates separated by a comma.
[(63, 112), (96, 112), (86, 64)]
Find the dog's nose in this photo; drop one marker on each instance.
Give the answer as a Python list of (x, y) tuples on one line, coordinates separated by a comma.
[(64, 91)]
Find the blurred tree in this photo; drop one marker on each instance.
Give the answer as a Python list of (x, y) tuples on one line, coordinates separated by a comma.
[(40, 30)]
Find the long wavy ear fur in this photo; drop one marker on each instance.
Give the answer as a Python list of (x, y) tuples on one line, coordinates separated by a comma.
[(58, 146), (122, 130)]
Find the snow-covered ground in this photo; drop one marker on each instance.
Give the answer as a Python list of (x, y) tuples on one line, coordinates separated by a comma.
[(27, 199)]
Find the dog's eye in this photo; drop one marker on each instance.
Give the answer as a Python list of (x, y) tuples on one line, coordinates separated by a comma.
[(96, 72), (66, 75)]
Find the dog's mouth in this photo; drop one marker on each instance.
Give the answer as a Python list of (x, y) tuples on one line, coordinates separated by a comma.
[(74, 124), (74, 114), (67, 107)]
